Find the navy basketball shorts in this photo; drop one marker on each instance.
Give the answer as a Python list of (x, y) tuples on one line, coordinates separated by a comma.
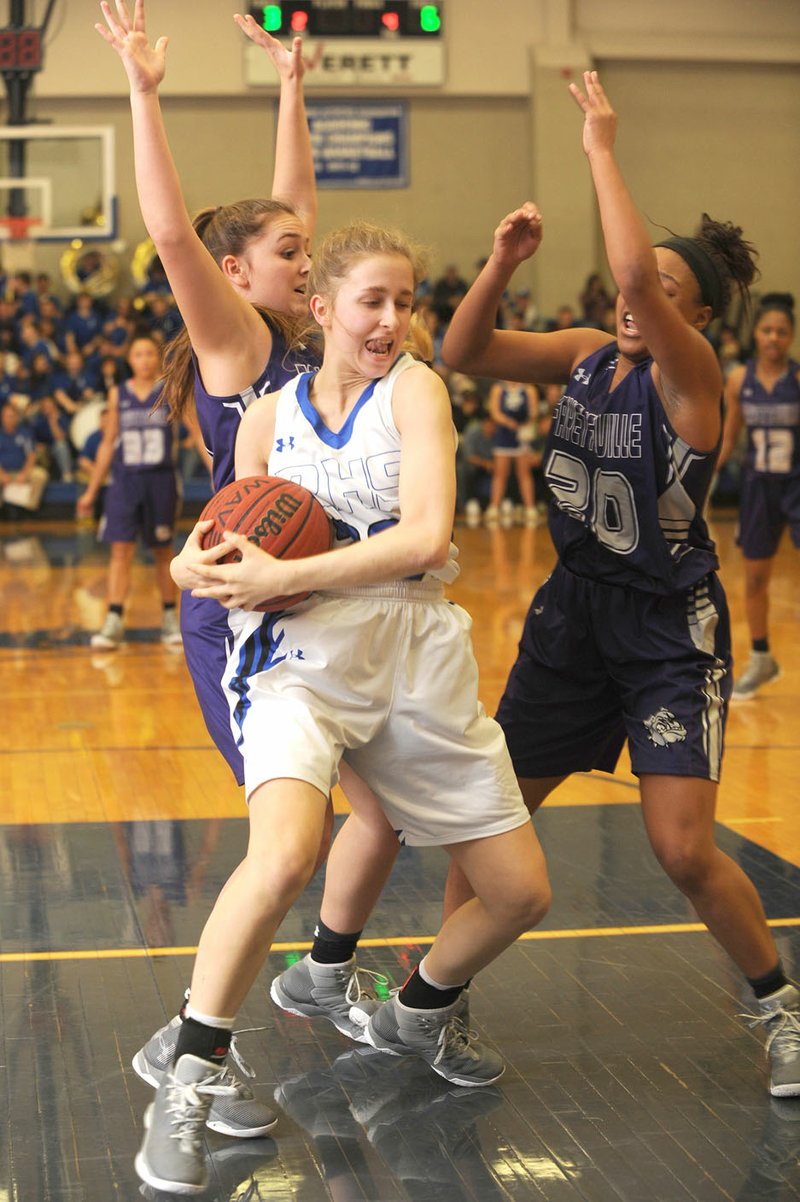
[(207, 641), (768, 504), (599, 663), (141, 503)]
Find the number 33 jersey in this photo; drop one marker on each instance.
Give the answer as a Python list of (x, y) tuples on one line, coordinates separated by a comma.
[(628, 492), (145, 438)]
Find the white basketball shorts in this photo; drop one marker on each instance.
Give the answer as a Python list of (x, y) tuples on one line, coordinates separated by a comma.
[(386, 676)]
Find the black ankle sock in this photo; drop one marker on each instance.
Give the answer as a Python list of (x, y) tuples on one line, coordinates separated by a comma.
[(761, 644), (115, 609), (209, 1043), (421, 996), (167, 606), (771, 982), (332, 948)]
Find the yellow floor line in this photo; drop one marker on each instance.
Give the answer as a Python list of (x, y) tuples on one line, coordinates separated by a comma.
[(141, 953)]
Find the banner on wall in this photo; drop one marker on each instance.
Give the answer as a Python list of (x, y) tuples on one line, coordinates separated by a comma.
[(359, 145)]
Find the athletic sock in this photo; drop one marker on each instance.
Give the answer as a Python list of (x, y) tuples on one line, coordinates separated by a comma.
[(167, 606), (761, 645), (115, 609), (425, 994), (771, 982), (330, 947), (203, 1040)]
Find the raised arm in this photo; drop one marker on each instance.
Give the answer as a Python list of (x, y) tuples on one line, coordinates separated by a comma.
[(219, 321), (293, 177), (687, 373), (473, 344)]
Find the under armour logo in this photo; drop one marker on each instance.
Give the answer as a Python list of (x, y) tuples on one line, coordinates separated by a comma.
[(282, 444), (582, 376)]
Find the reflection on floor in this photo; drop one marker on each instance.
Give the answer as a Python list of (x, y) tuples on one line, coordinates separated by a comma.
[(630, 1076)]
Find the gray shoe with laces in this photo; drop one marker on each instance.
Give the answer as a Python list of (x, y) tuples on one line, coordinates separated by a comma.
[(172, 1155), (238, 1112), (440, 1037), (110, 634), (170, 629), (342, 993), (761, 669), (780, 1017)]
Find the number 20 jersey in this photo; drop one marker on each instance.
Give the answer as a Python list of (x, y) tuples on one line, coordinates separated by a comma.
[(628, 492)]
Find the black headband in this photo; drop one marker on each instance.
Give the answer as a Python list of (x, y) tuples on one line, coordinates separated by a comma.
[(703, 268)]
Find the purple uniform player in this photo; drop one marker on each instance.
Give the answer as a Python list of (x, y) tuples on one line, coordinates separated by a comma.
[(636, 561), (771, 482), (142, 497), (204, 623), (763, 395), (629, 636)]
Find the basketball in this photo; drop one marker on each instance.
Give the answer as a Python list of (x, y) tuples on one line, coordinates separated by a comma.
[(281, 517)]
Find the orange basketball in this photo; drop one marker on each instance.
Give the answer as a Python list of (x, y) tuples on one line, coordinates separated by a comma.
[(278, 515)]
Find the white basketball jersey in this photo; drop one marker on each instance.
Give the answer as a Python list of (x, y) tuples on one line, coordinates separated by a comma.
[(355, 472)]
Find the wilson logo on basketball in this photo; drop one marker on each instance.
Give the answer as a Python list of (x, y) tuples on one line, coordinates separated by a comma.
[(273, 521), (273, 513)]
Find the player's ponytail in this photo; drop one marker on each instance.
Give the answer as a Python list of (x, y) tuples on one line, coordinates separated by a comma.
[(734, 257)]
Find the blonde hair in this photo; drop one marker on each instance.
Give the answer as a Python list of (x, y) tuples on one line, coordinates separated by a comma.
[(225, 230), (340, 250)]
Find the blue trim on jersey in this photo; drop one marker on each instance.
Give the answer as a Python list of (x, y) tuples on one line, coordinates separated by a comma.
[(315, 420), (257, 654)]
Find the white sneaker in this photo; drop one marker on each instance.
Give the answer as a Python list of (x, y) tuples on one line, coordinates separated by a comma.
[(472, 511), (110, 634), (490, 515), (170, 628), (761, 669)]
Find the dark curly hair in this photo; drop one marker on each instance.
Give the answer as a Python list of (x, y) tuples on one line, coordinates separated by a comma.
[(734, 257)]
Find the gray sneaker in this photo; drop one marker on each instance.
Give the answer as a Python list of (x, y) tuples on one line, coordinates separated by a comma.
[(110, 634), (440, 1037), (342, 993), (237, 1113), (172, 1155), (761, 669), (170, 629), (780, 1017)]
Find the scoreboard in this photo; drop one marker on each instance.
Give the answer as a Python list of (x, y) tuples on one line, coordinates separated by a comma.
[(350, 18), (351, 44)]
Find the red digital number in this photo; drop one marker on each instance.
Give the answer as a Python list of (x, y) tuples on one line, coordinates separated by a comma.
[(8, 50), (29, 50), (20, 50)]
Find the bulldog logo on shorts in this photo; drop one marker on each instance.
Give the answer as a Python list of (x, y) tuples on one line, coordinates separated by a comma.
[(664, 728)]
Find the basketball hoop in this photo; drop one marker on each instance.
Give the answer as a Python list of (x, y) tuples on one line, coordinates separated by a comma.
[(17, 228)]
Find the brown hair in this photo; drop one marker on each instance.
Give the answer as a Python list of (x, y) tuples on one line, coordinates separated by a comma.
[(344, 247), (224, 230)]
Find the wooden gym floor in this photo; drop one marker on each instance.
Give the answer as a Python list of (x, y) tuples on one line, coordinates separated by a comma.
[(630, 1077)]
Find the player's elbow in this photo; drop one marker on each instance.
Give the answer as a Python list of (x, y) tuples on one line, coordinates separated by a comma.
[(433, 551)]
